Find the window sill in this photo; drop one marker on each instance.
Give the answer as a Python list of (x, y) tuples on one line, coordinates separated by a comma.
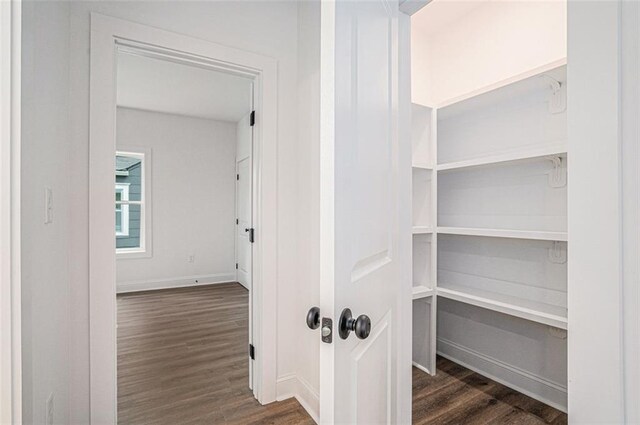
[(132, 253)]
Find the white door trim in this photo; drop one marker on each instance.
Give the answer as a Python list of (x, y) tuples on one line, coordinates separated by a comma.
[(10, 285), (595, 343), (107, 34)]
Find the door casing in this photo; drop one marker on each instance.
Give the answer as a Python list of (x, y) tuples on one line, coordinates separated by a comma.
[(107, 35), (10, 275)]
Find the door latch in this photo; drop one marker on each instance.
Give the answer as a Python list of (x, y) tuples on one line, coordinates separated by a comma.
[(313, 322), (327, 330)]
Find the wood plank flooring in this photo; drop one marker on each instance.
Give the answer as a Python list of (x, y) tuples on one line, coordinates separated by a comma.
[(182, 359), (456, 395)]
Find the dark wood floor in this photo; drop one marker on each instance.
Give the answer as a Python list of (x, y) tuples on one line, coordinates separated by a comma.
[(456, 395), (182, 359)]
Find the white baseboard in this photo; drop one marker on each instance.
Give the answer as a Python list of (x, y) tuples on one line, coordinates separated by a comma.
[(422, 368), (174, 282), (522, 381), (293, 386)]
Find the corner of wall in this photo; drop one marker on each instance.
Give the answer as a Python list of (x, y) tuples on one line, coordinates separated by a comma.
[(293, 385)]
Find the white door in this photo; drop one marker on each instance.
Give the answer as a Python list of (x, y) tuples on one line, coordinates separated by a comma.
[(244, 216), (363, 191), (243, 202)]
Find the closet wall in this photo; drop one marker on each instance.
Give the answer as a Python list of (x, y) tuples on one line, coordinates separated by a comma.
[(490, 191)]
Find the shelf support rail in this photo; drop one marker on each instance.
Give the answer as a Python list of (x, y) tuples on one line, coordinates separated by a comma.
[(557, 100), (558, 174), (557, 254)]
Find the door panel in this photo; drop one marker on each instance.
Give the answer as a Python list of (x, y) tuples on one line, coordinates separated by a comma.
[(371, 386), (360, 219), (244, 201), (244, 222)]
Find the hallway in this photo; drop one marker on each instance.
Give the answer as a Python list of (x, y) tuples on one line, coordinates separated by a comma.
[(182, 358)]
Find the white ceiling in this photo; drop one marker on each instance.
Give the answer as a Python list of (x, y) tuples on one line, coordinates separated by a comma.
[(163, 86)]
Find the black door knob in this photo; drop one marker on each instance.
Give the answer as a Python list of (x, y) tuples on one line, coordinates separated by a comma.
[(360, 326), (313, 318)]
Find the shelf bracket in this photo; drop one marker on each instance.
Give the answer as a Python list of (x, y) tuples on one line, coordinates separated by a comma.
[(558, 98), (557, 254), (557, 175), (557, 332)]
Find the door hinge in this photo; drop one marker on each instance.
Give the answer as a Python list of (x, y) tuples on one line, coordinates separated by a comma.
[(236, 266), (237, 176), (252, 352), (237, 221), (251, 235), (252, 118)]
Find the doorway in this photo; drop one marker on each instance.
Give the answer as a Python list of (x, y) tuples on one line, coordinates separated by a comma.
[(183, 205), (111, 37)]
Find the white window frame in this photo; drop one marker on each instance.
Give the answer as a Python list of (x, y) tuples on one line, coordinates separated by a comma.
[(124, 209), (144, 250)]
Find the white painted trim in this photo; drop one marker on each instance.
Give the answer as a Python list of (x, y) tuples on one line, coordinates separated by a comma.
[(534, 386), (422, 368), (124, 209), (175, 282), (327, 204), (286, 386), (293, 386), (630, 75), (595, 301), (309, 399), (10, 284), (108, 34)]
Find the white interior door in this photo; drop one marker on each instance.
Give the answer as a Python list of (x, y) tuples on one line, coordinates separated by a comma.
[(363, 191), (244, 217), (243, 202)]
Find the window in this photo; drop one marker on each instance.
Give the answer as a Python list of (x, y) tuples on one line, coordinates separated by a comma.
[(130, 203), (122, 210)]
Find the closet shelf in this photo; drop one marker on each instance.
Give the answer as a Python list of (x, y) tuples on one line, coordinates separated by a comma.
[(501, 233), (514, 156), (536, 314), (421, 230), (422, 166), (510, 86), (422, 292)]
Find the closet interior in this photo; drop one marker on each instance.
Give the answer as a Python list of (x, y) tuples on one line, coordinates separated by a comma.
[(489, 186)]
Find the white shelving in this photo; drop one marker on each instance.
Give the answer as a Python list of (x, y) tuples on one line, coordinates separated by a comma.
[(423, 341), (508, 83), (422, 292), (420, 230), (424, 186), (501, 233), (422, 249), (490, 218), (422, 166), (514, 156), (421, 181), (524, 115), (537, 312), (421, 131), (528, 196)]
